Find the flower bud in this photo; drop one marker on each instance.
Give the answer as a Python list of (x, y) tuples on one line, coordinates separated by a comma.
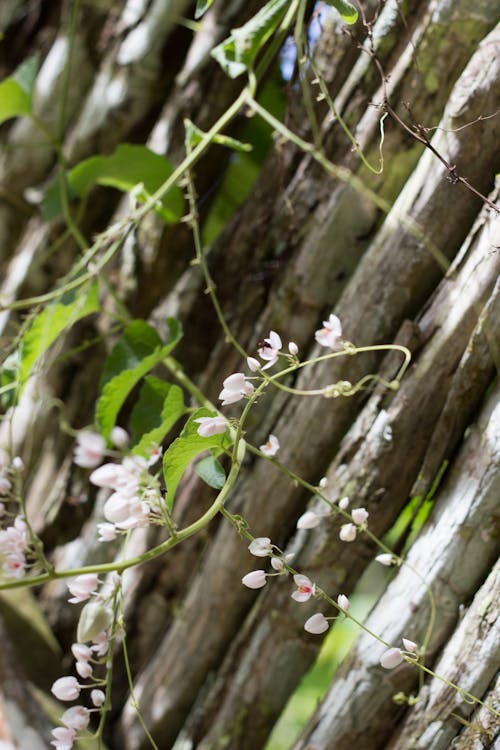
[(359, 515), (385, 559), (343, 503), (293, 348), (119, 437), (316, 624), (94, 618), (391, 658), (260, 547), (97, 697), (348, 532), (66, 689), (308, 520), (343, 601), (84, 669), (76, 717), (410, 646), (254, 580)]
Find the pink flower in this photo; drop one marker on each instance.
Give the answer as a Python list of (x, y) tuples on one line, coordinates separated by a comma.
[(254, 580), (235, 387), (316, 624), (119, 437), (343, 601), (14, 565), (81, 652), (106, 475), (331, 333), (261, 546), (385, 559), (82, 587), (126, 512), (97, 697), (89, 450), (348, 532), (106, 531), (308, 520), (391, 658), (66, 688), (63, 738), (76, 717), (101, 644), (84, 669), (410, 646), (305, 588), (270, 350), (271, 447), (211, 426), (359, 515)]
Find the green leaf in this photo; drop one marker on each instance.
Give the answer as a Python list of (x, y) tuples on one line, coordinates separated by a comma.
[(184, 449), (158, 408), (211, 471), (132, 357), (201, 8), (16, 92), (346, 9), (47, 326), (194, 136), (237, 53), (26, 74), (126, 168)]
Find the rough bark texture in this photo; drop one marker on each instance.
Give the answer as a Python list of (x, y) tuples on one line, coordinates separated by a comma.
[(213, 663)]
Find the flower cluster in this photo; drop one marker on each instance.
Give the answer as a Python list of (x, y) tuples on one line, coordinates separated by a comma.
[(263, 547), (135, 497), (14, 542), (90, 650), (90, 448)]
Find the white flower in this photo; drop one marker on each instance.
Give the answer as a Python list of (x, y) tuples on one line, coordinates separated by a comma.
[(254, 580), (89, 450), (234, 388), (331, 333), (253, 364), (97, 697), (308, 520), (76, 717), (119, 437), (82, 587), (343, 601), (410, 646), (391, 658), (211, 426), (348, 532), (359, 515), (385, 559), (270, 350), (66, 688), (305, 588), (316, 624), (271, 447), (261, 546), (63, 738)]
